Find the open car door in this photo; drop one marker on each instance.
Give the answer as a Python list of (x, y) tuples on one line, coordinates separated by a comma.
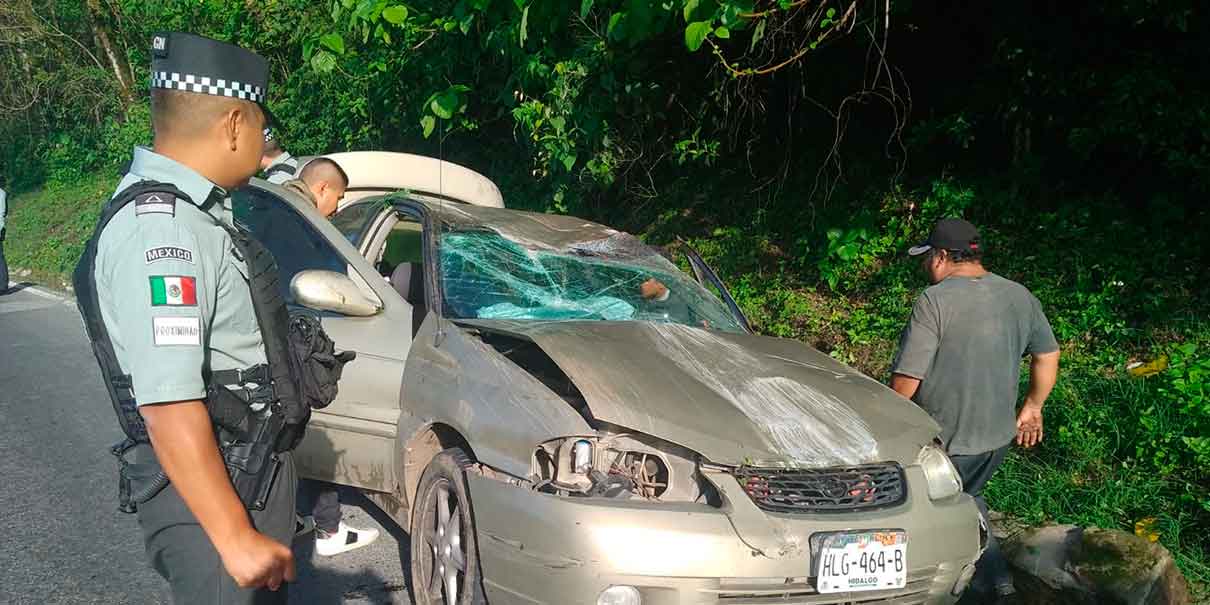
[(347, 441)]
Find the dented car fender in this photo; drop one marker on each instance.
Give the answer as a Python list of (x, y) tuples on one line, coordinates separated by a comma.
[(453, 379)]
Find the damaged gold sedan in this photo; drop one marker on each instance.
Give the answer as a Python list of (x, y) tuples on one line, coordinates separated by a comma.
[(558, 414)]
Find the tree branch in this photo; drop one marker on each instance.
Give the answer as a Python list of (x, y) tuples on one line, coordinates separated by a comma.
[(737, 72)]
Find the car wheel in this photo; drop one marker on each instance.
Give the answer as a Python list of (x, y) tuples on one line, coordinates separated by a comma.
[(445, 551)]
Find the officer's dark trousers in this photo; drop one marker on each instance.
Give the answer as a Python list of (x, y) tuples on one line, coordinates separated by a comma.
[(991, 573), (180, 551)]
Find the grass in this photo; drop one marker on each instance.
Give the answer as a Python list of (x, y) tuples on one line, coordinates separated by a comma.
[(47, 228)]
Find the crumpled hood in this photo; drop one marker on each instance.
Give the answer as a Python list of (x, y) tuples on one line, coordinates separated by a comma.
[(733, 398)]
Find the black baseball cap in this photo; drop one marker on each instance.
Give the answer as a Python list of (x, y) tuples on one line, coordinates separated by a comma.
[(201, 65), (949, 234)]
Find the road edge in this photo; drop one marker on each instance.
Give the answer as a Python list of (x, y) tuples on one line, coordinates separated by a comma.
[(39, 290)]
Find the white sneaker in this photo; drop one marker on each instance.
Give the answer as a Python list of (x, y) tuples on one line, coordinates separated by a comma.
[(345, 539)]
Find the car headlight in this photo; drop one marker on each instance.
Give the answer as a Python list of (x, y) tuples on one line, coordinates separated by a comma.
[(942, 477), (619, 465)]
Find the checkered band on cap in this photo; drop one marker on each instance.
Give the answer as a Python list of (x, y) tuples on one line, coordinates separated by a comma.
[(207, 85)]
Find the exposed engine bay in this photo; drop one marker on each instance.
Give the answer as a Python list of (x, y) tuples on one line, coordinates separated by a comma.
[(619, 465), (612, 463)]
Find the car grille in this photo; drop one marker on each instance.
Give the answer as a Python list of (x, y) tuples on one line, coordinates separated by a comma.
[(789, 592), (824, 490)]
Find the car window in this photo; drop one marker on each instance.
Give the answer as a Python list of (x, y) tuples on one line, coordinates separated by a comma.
[(295, 243), (353, 219)]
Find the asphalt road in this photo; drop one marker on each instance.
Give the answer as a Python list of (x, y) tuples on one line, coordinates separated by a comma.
[(63, 539)]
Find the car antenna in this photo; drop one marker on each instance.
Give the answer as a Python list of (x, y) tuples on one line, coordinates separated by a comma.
[(439, 334)]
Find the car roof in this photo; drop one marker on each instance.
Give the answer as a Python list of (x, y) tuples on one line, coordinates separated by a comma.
[(532, 229), (377, 172)]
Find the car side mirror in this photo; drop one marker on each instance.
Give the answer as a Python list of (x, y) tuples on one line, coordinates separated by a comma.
[(331, 291)]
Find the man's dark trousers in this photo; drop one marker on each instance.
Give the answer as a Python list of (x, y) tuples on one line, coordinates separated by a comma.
[(327, 509), (181, 552), (992, 573)]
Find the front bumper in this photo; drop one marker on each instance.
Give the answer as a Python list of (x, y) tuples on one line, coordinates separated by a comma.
[(539, 548)]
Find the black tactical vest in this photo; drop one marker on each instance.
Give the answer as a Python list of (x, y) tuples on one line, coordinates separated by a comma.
[(276, 384)]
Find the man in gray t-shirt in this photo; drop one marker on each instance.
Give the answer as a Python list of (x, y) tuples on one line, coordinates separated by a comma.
[(960, 360)]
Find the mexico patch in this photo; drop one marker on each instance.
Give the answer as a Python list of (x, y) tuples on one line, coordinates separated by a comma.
[(177, 330), (173, 291), (169, 253), (155, 202)]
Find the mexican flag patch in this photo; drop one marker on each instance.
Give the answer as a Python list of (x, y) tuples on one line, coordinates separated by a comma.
[(173, 291)]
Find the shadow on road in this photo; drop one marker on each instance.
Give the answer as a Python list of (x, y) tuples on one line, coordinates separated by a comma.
[(17, 287)]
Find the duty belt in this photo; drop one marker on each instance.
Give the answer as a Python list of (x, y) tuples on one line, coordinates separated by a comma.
[(255, 384), (139, 482)]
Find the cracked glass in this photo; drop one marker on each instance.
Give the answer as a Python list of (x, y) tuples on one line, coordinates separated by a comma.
[(489, 274)]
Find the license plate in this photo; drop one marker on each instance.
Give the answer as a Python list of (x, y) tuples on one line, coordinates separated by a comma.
[(856, 562)]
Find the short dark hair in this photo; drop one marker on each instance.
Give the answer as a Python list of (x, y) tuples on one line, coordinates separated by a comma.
[(179, 113), (962, 256), (322, 169)]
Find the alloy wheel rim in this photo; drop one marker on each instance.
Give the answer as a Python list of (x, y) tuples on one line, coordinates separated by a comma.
[(444, 545)]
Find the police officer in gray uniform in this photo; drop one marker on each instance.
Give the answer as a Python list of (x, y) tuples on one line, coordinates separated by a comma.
[(277, 163), (175, 298)]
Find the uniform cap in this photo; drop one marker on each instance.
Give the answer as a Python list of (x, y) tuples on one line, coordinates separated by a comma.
[(949, 234), (197, 64)]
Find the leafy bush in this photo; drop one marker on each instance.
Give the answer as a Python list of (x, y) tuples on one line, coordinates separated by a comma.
[(73, 156)]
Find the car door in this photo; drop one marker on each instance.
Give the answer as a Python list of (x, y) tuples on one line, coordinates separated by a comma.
[(352, 441)]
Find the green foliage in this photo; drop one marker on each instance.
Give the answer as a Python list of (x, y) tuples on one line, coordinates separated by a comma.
[(47, 229), (70, 157), (1187, 390)]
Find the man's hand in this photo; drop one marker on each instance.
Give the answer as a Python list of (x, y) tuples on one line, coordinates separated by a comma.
[(255, 560), (183, 440), (1043, 372), (1029, 425)]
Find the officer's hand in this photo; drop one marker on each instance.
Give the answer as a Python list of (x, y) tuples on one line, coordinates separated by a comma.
[(1029, 425), (254, 560)]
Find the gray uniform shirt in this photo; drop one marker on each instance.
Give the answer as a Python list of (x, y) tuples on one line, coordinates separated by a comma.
[(3, 207), (173, 295), (964, 341), (285, 159)]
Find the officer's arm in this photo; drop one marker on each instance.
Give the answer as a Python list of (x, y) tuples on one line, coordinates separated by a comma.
[(162, 288), (183, 440)]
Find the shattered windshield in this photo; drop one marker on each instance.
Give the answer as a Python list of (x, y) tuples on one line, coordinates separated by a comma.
[(486, 275)]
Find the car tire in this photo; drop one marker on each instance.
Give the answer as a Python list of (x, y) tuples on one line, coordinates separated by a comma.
[(445, 553)]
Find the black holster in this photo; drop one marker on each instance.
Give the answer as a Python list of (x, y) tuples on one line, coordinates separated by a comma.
[(248, 446)]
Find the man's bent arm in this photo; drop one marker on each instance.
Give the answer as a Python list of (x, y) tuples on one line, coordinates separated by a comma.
[(905, 385), (1043, 373), (183, 439)]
